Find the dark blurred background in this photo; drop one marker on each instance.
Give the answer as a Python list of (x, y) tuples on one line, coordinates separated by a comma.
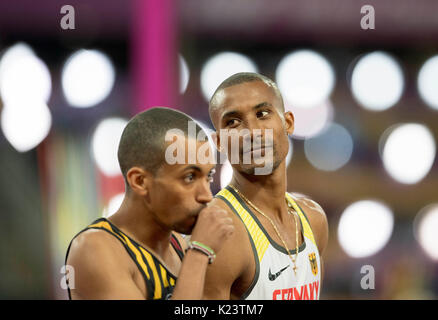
[(365, 104)]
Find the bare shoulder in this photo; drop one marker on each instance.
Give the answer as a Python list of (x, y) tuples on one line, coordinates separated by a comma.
[(233, 263), (317, 219), (103, 269), (220, 203), (239, 227), (99, 243), (97, 252), (97, 249)]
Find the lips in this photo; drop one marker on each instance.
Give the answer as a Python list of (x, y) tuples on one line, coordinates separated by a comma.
[(262, 148)]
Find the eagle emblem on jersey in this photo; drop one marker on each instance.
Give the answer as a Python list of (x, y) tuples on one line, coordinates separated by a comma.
[(313, 263)]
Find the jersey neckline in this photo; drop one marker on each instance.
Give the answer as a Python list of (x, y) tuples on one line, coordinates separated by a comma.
[(154, 255), (271, 241)]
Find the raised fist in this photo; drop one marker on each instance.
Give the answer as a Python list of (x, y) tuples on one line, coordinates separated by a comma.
[(213, 227)]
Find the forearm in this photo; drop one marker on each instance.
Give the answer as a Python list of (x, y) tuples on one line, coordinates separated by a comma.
[(191, 278)]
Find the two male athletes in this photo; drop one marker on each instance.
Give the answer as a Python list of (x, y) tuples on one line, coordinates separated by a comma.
[(268, 242)]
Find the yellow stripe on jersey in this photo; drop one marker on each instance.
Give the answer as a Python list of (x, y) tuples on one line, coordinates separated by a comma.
[(261, 242), (102, 224), (164, 276), (145, 262), (137, 255), (306, 226), (107, 226), (150, 260)]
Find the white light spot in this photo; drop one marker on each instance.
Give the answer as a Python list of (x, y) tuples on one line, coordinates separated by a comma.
[(305, 79), (105, 143), (311, 121), (364, 228), (425, 230), (220, 67), (377, 81), (428, 82), (24, 76), (184, 74), (87, 78), (25, 126), (408, 152), (113, 205)]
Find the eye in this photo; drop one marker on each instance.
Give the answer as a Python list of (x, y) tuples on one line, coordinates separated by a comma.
[(262, 113), (189, 178), (232, 123)]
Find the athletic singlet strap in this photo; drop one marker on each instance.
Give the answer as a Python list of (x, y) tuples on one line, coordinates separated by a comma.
[(159, 281), (177, 246)]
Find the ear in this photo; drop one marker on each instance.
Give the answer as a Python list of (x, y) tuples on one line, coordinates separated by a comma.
[(138, 179), (289, 122)]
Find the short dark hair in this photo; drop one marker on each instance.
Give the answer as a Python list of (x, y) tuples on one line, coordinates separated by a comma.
[(143, 139), (243, 77)]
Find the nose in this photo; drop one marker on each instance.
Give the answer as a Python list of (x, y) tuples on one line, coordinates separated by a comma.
[(253, 133), (204, 194)]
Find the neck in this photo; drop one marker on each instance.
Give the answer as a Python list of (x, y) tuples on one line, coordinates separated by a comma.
[(134, 219), (264, 191)]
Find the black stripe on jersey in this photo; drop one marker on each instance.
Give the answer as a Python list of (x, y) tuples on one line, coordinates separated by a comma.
[(150, 283), (303, 213), (177, 246), (134, 257), (131, 254), (157, 266)]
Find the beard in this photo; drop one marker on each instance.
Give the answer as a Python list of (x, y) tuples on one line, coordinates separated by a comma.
[(253, 168)]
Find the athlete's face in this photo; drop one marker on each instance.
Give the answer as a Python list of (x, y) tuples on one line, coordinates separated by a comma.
[(254, 108), (180, 191)]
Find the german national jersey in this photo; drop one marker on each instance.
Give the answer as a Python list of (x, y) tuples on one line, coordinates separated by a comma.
[(160, 282), (275, 278)]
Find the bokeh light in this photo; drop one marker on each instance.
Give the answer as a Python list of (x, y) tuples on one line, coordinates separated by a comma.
[(184, 74), (25, 126), (222, 66), (113, 205), (105, 142), (87, 78), (428, 82), (364, 228), (377, 81), (426, 230), (408, 152), (23, 76), (311, 121), (305, 78), (331, 149)]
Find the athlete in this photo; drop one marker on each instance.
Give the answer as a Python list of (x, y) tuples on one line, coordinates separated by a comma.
[(276, 249), (137, 253)]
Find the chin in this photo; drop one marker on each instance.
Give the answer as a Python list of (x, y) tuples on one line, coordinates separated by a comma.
[(264, 169), (186, 228)]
